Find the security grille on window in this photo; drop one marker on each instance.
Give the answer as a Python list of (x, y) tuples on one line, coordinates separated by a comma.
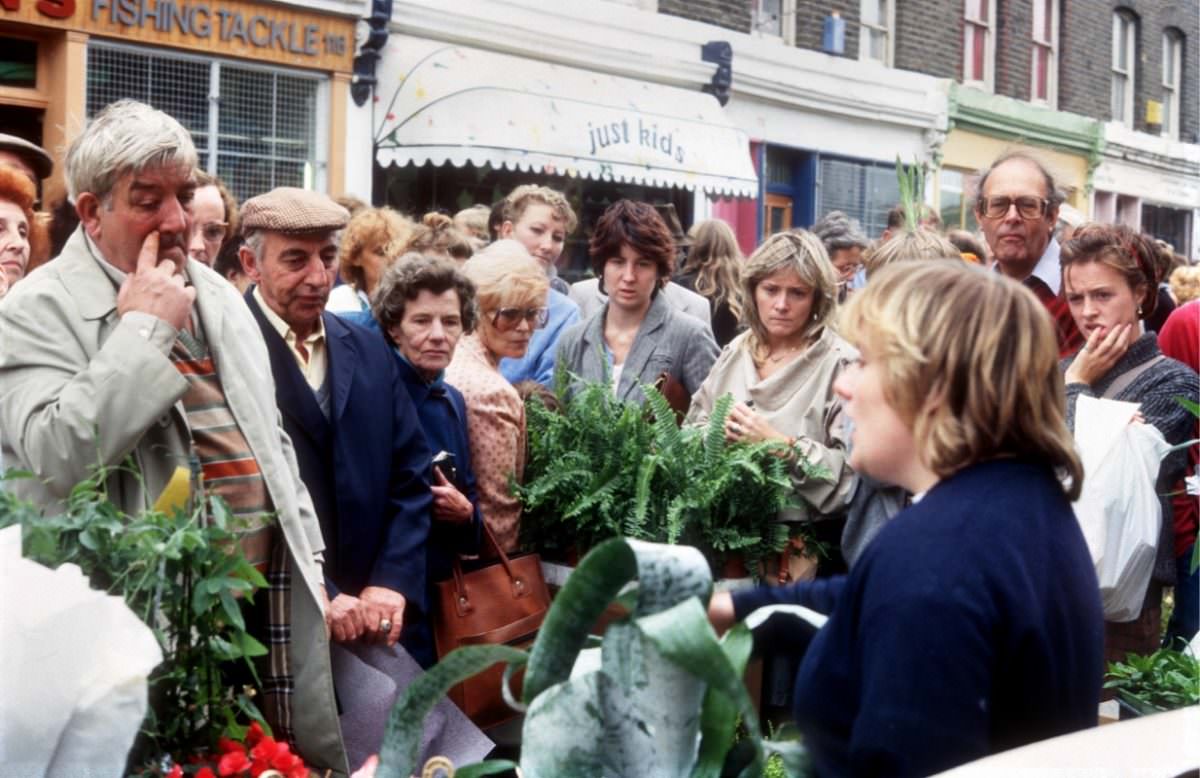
[(1123, 40), (862, 191), (1172, 71), (874, 38), (1044, 72), (978, 22), (256, 128)]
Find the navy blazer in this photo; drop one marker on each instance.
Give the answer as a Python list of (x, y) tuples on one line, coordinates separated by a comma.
[(367, 466)]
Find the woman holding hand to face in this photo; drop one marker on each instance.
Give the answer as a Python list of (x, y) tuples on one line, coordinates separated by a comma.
[(1110, 281), (972, 623)]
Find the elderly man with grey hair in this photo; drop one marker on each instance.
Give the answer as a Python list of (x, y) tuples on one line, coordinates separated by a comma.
[(122, 351), (844, 241)]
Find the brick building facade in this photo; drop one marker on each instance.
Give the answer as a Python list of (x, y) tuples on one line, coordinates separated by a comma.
[(928, 38)]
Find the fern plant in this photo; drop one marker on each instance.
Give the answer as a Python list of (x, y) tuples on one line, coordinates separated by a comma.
[(601, 468)]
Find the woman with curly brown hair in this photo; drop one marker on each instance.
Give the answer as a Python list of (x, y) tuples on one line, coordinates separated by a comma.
[(1110, 278), (636, 338), (21, 234), (372, 240)]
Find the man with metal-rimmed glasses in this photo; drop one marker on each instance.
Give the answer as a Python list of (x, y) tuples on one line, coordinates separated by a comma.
[(1017, 207)]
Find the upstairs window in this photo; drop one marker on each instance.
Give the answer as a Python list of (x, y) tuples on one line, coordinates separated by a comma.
[(979, 25), (1043, 87), (1124, 32), (876, 20), (1172, 62)]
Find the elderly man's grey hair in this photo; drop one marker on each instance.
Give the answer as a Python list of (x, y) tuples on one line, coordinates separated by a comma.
[(838, 231), (125, 137)]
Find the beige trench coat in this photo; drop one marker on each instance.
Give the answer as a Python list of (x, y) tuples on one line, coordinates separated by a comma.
[(797, 400), (80, 386)]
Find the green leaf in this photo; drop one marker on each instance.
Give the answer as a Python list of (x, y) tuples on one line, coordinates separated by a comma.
[(480, 769), (565, 733), (1191, 405), (684, 636), (232, 610), (719, 716), (402, 739)]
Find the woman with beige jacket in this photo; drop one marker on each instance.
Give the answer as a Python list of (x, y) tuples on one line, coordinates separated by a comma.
[(780, 372)]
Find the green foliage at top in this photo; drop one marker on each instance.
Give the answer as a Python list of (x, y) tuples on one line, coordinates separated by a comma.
[(912, 192), (601, 468), (1164, 680), (183, 575)]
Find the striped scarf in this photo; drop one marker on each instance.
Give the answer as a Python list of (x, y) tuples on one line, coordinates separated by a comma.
[(231, 472)]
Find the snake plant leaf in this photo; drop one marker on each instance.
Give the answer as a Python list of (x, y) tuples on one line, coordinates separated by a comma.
[(564, 735), (648, 734), (402, 739), (684, 637), (666, 575), (719, 716), (480, 769)]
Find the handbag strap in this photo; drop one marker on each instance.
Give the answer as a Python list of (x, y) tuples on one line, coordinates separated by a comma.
[(460, 584), (1129, 376)]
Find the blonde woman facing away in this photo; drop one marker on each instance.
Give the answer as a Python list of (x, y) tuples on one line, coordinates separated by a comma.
[(713, 269), (511, 291), (972, 623)]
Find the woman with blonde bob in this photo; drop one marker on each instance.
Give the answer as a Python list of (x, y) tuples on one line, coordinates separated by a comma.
[(972, 623), (781, 371), (372, 240), (511, 292)]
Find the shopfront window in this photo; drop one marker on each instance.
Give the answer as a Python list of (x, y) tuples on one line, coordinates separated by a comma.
[(18, 63), (1173, 225), (957, 190), (862, 190), (255, 127)]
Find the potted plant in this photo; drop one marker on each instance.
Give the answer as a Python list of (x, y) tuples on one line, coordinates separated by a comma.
[(662, 695)]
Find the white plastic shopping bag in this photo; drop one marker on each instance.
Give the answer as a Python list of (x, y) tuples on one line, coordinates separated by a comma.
[(1119, 510)]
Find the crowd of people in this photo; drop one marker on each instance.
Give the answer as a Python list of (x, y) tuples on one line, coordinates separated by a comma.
[(352, 381)]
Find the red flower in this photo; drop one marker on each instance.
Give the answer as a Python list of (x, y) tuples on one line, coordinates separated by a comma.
[(226, 746), (267, 749), (254, 733), (205, 772), (233, 763), (176, 771)]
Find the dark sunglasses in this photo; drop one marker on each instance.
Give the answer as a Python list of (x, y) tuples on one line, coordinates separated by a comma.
[(1028, 207), (508, 318)]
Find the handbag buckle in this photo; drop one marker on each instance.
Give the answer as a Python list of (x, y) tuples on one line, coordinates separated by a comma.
[(518, 587), (463, 605)]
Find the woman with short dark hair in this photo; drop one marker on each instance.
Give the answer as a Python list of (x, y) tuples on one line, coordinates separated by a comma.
[(636, 338), (425, 304)]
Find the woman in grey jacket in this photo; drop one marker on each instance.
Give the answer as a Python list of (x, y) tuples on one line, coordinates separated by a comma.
[(637, 337)]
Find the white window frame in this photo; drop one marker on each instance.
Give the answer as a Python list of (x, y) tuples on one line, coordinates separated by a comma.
[(989, 46), (889, 25), (1128, 41), (1171, 76), (316, 172), (787, 22), (1051, 48)]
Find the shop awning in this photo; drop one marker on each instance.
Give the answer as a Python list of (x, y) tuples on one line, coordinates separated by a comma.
[(453, 104)]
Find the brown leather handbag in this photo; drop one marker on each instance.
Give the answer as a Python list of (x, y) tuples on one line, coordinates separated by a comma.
[(502, 603), (676, 395)]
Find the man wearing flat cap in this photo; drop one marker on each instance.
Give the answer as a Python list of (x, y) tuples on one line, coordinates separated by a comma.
[(32, 160), (123, 352), (362, 454)]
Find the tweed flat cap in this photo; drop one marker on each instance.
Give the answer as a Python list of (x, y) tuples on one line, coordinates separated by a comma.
[(35, 156), (289, 209)]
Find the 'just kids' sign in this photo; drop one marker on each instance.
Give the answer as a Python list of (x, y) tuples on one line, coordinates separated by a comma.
[(639, 133)]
